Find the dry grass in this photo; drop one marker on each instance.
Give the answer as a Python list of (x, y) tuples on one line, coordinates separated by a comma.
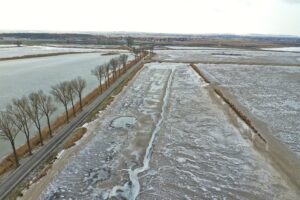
[(9, 162), (75, 137)]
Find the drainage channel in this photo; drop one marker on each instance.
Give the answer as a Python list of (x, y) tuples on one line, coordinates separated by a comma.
[(131, 189)]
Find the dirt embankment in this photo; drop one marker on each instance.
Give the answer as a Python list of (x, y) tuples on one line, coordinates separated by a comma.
[(9, 162), (278, 152)]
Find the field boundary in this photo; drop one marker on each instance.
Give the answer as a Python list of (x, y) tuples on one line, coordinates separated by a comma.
[(284, 158)]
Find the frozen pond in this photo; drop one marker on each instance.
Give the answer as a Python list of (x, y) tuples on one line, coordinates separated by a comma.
[(182, 146), (22, 76), (271, 93), (123, 122), (238, 56)]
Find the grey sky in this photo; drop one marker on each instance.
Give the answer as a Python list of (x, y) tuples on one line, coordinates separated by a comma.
[(171, 16)]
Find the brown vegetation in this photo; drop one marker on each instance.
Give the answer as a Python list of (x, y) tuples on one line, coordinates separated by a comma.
[(75, 137)]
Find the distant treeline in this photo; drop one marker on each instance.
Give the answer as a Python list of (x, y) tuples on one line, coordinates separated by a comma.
[(158, 39)]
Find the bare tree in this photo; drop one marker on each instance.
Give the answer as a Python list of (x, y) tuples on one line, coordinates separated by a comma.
[(18, 43), (135, 51), (129, 41), (47, 106), (71, 95), (114, 64), (60, 92), (107, 73), (19, 111), (35, 113), (79, 84), (99, 73), (9, 132), (123, 59)]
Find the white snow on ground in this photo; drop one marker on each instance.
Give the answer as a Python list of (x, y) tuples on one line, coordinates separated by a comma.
[(197, 153), (294, 49), (35, 50), (229, 56), (271, 93)]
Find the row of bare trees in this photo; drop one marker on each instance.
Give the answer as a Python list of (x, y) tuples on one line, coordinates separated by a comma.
[(22, 113), (103, 72), (29, 110), (66, 92)]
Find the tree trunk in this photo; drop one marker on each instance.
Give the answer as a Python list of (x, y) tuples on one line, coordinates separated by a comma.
[(100, 84), (38, 126), (15, 152), (28, 144), (74, 112), (41, 137), (27, 133), (80, 101), (49, 126), (67, 113)]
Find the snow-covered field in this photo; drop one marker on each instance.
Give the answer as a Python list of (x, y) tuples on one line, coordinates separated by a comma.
[(294, 49), (229, 56), (175, 142), (271, 93), (9, 51)]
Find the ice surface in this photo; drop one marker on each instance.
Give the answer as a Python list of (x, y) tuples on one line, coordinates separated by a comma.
[(271, 93), (35, 50), (294, 49), (123, 122), (220, 55), (195, 153)]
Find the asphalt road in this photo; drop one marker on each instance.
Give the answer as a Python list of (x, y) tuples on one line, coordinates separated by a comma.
[(23, 171)]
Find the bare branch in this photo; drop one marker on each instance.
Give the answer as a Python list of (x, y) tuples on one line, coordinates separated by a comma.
[(47, 106), (9, 132), (79, 84), (60, 92)]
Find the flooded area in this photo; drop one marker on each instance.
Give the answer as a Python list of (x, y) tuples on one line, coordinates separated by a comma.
[(270, 93), (7, 51), (238, 56), (182, 146), (22, 76)]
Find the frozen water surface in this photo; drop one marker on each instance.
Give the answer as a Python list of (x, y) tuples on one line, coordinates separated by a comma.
[(123, 122), (213, 55), (294, 49), (271, 93), (13, 51), (182, 146)]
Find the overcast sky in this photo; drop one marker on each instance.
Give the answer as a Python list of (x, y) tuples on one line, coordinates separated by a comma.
[(167, 16)]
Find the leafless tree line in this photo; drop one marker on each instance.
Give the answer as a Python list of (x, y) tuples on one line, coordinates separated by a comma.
[(27, 110), (103, 72)]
